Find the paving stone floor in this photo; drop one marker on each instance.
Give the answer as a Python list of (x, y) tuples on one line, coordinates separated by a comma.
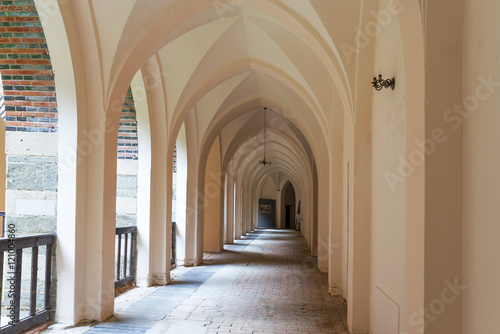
[(264, 283)]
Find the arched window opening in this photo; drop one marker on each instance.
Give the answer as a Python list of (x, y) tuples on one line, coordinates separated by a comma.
[(289, 211), (179, 193), (126, 182), (173, 245), (28, 159), (126, 196), (267, 204), (31, 121)]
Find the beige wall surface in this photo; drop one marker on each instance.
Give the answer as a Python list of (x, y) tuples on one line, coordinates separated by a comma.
[(269, 190), (443, 167), (212, 227), (388, 188), (480, 118)]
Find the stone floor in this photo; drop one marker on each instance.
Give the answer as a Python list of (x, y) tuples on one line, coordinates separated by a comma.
[(264, 283)]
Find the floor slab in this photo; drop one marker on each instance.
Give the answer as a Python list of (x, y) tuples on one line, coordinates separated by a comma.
[(264, 283)]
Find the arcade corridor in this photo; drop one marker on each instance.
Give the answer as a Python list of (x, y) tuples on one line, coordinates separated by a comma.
[(141, 135), (264, 283)]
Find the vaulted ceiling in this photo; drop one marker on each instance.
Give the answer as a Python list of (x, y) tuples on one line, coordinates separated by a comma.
[(224, 61)]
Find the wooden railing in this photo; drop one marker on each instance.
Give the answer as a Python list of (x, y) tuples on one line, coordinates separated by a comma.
[(25, 299), (125, 250)]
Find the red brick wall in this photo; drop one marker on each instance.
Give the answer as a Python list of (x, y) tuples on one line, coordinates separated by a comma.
[(127, 131), (28, 80)]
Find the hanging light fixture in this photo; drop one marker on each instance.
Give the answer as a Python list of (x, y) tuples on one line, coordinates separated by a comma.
[(263, 161)]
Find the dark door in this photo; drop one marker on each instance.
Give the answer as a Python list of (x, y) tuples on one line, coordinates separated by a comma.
[(267, 213)]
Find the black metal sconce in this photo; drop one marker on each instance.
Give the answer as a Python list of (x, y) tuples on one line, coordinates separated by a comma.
[(379, 83), (263, 162)]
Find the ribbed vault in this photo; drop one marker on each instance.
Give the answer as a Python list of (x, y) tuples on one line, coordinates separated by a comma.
[(221, 62)]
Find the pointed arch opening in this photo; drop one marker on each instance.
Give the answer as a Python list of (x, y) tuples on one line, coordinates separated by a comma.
[(288, 206)]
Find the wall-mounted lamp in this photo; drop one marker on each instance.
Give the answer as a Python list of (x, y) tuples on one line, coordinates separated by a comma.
[(263, 162), (379, 83)]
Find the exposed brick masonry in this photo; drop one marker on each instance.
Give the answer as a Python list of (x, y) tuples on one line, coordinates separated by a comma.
[(28, 80)]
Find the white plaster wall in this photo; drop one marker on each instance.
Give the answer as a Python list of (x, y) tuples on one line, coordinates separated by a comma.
[(31, 143), (388, 196), (32, 203), (126, 205), (481, 158), (126, 167), (126, 189), (269, 190)]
